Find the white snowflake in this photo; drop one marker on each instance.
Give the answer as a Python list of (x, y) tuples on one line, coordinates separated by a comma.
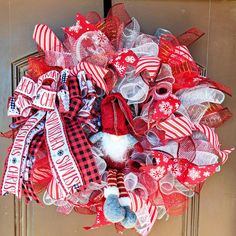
[(76, 28), (157, 160), (176, 170), (99, 38), (194, 174), (158, 172), (130, 59), (206, 174), (119, 67), (165, 107)]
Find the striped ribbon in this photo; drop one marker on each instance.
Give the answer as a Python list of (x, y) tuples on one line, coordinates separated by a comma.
[(179, 127), (96, 72), (46, 39), (150, 64), (214, 140), (54, 190), (137, 203), (153, 213)]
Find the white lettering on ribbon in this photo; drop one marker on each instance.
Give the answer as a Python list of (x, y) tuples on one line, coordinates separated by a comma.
[(65, 168), (11, 182)]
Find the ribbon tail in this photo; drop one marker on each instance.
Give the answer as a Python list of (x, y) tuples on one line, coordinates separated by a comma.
[(16, 160), (100, 219), (64, 167)]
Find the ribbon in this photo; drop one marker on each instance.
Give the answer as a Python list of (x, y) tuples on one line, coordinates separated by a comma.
[(46, 39), (65, 170), (14, 167), (97, 73), (100, 218), (183, 67), (122, 60), (61, 157), (149, 64), (190, 36)]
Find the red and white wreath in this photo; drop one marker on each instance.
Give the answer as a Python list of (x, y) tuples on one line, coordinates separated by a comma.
[(114, 122)]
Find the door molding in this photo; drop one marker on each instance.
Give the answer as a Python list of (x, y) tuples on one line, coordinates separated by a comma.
[(22, 212)]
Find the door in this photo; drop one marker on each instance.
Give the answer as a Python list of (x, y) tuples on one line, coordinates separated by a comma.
[(213, 213)]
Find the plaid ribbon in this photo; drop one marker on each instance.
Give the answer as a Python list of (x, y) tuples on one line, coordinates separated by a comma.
[(75, 98), (78, 141), (27, 186), (82, 152)]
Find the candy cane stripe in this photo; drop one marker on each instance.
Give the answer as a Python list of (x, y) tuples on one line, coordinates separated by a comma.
[(46, 39)]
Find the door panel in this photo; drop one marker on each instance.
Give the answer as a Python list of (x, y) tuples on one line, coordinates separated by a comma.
[(218, 199)]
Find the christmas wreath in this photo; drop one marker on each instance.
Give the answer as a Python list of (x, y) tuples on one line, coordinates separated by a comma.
[(114, 122)]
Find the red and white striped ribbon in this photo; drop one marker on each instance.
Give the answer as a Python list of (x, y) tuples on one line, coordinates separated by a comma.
[(176, 127), (151, 64), (54, 190), (96, 72), (179, 127), (214, 140), (46, 39), (136, 202), (153, 214)]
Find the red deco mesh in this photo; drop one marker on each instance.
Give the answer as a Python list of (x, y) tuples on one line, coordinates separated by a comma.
[(37, 67), (175, 203), (184, 69), (187, 149), (216, 115), (118, 10)]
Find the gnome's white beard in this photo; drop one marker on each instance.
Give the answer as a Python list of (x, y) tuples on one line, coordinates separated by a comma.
[(116, 146)]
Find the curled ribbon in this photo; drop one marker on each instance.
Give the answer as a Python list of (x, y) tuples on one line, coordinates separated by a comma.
[(42, 96)]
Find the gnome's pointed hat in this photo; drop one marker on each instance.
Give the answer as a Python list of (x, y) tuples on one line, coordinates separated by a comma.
[(116, 115)]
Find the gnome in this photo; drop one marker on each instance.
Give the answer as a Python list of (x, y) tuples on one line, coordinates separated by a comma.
[(116, 142)]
